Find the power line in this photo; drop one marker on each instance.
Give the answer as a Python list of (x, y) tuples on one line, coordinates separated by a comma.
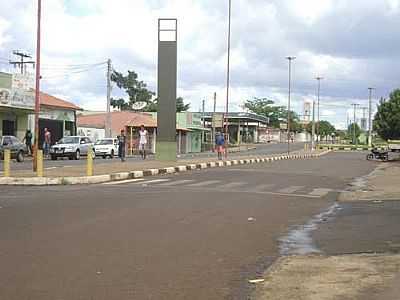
[(72, 72), (22, 62), (72, 67)]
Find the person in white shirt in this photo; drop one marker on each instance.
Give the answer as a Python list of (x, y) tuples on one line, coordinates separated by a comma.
[(143, 141)]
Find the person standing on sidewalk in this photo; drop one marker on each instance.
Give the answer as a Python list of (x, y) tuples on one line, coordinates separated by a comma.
[(47, 142), (28, 141), (121, 145), (143, 134), (220, 142)]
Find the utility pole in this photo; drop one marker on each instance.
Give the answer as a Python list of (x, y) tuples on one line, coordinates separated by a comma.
[(228, 80), (213, 120), (289, 58), (313, 127), (108, 117), (354, 123), (364, 122), (22, 63), (370, 117), (37, 86), (318, 115), (203, 135)]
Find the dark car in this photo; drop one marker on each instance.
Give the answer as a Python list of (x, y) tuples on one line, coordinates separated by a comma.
[(18, 149)]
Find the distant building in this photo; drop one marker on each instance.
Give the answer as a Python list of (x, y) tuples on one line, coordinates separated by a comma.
[(363, 124), (188, 130), (307, 112), (242, 127)]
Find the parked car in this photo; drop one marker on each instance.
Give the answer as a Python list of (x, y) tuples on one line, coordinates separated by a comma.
[(106, 147), (72, 147), (18, 149)]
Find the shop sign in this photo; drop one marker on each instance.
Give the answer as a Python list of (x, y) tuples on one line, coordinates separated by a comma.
[(20, 94), (59, 115), (194, 120), (217, 120)]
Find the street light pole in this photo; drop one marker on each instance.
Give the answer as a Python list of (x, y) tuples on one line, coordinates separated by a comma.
[(289, 58), (228, 80), (370, 117), (37, 87), (354, 123), (318, 115), (108, 118), (313, 127)]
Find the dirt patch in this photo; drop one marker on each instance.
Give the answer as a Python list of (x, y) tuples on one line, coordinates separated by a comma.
[(315, 277), (381, 184)]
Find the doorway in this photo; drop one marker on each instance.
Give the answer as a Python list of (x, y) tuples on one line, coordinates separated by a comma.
[(9, 127)]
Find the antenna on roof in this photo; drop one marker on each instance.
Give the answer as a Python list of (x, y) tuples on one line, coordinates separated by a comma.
[(139, 105)]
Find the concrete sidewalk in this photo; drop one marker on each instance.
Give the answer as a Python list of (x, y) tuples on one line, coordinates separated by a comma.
[(104, 172), (359, 248), (382, 184)]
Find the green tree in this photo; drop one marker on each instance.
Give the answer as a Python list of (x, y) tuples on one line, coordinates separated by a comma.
[(136, 90), (180, 105), (325, 128), (341, 134), (387, 119), (350, 131), (276, 114)]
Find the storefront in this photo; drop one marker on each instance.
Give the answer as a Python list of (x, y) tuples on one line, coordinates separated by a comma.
[(58, 116), (192, 134), (16, 104)]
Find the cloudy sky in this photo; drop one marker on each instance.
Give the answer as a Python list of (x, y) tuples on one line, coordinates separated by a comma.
[(352, 44)]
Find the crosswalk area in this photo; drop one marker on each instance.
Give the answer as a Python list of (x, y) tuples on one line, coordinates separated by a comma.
[(223, 186)]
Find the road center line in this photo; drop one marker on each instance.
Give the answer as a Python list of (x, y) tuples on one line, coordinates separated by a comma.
[(123, 181), (262, 187), (290, 189), (232, 185), (156, 181), (320, 192), (177, 182), (203, 183)]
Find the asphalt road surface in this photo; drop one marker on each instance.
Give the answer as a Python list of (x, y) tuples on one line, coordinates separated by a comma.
[(262, 149), (196, 235)]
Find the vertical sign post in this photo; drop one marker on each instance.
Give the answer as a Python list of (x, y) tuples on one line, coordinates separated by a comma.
[(166, 89)]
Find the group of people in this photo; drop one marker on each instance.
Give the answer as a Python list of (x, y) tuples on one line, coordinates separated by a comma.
[(46, 144), (143, 139)]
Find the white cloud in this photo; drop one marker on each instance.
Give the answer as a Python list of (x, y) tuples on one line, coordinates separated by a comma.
[(4, 25), (309, 11), (351, 44)]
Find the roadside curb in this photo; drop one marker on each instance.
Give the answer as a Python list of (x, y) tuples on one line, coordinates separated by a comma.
[(343, 148), (43, 181)]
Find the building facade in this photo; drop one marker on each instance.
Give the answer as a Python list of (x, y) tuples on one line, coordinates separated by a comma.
[(16, 104), (189, 129), (58, 116)]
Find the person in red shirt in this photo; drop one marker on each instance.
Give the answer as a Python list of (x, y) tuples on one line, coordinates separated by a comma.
[(47, 142)]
